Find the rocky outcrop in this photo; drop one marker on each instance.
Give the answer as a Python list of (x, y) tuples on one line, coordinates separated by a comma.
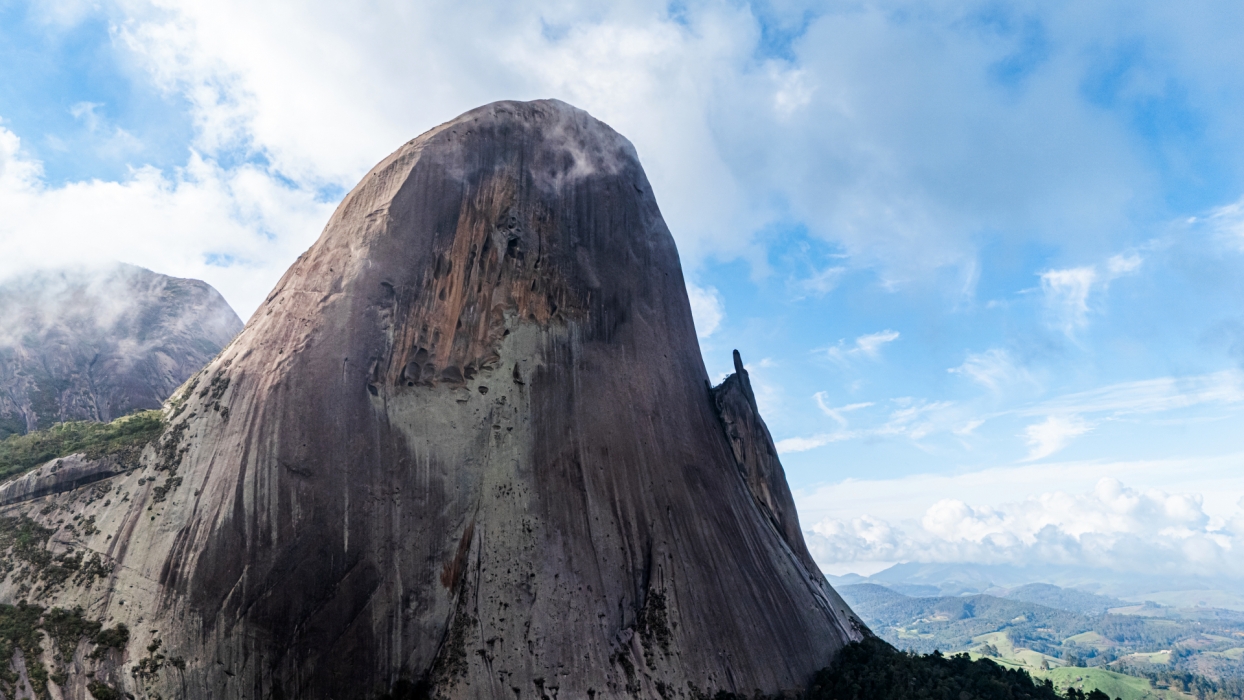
[(467, 446), (757, 458), (59, 475), (99, 344)]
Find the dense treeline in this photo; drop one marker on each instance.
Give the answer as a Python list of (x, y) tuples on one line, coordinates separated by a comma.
[(1225, 687), (873, 670)]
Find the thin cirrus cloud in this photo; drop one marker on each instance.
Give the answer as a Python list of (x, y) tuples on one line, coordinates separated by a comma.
[(994, 369), (1066, 292), (865, 346), (837, 413), (1149, 395), (1066, 297), (1064, 417), (1228, 222), (908, 418)]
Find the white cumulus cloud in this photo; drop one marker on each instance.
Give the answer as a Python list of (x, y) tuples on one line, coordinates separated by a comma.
[(235, 228)]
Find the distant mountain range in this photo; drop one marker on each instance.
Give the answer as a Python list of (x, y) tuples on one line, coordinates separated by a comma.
[(99, 344), (956, 579)]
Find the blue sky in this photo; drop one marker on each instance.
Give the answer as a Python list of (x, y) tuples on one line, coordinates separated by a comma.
[(959, 244)]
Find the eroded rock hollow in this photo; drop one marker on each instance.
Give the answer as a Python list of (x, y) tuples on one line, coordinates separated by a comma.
[(468, 442)]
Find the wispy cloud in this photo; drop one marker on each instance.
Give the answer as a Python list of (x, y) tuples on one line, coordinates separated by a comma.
[(837, 413), (1149, 395), (107, 140), (1228, 222), (1067, 291), (1052, 435), (1066, 297), (867, 346), (1065, 418), (914, 419), (994, 369), (85, 113), (823, 281), (1123, 264), (803, 444), (918, 418)]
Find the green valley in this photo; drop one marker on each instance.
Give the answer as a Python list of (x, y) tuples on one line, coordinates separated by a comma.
[(1133, 652)]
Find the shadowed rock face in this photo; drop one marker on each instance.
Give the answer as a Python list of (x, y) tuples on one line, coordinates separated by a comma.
[(469, 440), (96, 345)]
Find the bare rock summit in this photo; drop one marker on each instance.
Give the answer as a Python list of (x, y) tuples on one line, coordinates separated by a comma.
[(467, 448)]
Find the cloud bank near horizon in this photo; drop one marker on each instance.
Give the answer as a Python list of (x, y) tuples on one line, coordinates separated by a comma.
[(1071, 515)]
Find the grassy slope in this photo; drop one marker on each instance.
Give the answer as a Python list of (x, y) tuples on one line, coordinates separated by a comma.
[(1116, 685), (124, 436)]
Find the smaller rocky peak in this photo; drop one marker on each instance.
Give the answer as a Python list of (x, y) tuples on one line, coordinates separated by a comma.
[(757, 459), (96, 344), (744, 380)]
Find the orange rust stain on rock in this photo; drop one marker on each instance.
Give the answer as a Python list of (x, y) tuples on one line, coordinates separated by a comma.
[(452, 570), (494, 262)]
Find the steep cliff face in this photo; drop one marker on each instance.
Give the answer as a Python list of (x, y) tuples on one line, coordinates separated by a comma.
[(467, 441), (99, 344)]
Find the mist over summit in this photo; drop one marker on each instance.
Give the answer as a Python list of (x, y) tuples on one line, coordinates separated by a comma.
[(98, 343)]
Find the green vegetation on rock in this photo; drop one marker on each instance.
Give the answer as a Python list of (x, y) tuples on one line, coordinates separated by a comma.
[(871, 669), (101, 691), (111, 638), (124, 437), (23, 540), (21, 629), (24, 555), (68, 627)]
